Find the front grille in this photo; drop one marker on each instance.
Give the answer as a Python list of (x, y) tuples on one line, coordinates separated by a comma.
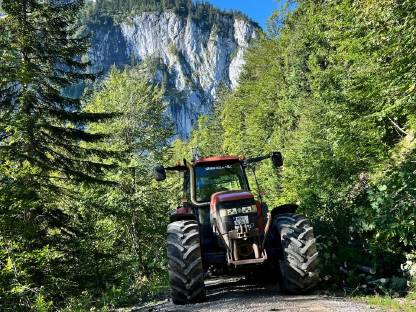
[(232, 221)]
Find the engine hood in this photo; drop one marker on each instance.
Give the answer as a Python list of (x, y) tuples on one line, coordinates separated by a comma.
[(227, 196)]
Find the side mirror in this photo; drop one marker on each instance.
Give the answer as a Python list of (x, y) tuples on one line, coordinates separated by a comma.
[(277, 159), (159, 173)]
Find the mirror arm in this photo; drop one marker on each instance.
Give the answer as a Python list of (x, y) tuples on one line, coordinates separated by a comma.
[(261, 158), (256, 159), (177, 168)]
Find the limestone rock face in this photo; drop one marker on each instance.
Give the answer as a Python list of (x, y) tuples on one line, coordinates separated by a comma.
[(190, 58)]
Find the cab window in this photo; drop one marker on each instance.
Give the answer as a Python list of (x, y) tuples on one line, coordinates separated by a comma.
[(214, 178)]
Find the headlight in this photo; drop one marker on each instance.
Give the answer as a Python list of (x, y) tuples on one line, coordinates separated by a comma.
[(233, 211), (249, 209), (228, 212)]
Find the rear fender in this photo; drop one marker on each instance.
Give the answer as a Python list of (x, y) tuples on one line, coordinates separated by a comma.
[(286, 208), (182, 214)]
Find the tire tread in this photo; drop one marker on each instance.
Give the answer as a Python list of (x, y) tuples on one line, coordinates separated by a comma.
[(186, 274), (299, 265)]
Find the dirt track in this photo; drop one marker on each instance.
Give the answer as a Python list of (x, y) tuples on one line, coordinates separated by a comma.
[(235, 295)]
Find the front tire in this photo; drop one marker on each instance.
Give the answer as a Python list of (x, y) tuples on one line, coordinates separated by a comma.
[(299, 259), (186, 274)]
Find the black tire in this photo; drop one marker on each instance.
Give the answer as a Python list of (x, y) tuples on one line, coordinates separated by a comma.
[(299, 259), (186, 274)]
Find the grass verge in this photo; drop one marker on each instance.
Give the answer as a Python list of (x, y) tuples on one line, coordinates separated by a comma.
[(405, 304)]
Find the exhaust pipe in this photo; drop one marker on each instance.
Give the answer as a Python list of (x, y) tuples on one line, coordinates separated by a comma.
[(266, 230)]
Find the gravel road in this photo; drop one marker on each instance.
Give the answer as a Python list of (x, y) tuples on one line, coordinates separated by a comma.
[(235, 295)]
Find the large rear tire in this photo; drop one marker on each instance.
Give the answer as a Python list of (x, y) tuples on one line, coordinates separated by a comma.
[(299, 259), (186, 274)]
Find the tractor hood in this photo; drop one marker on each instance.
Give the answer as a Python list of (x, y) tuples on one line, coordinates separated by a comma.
[(230, 197), (235, 211), (226, 196)]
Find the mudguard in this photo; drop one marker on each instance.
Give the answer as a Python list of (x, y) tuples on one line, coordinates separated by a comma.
[(286, 208), (182, 214)]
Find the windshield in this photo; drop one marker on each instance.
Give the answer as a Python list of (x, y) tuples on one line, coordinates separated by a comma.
[(217, 178)]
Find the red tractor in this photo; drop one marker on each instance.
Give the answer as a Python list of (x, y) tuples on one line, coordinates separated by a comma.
[(222, 229)]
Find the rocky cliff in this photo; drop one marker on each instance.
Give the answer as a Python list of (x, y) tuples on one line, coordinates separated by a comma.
[(191, 58)]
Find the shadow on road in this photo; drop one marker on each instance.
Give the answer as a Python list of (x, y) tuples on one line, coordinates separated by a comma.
[(223, 289)]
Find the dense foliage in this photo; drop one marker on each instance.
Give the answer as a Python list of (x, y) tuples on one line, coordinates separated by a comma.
[(333, 88), (80, 224), (40, 131), (125, 224), (108, 249)]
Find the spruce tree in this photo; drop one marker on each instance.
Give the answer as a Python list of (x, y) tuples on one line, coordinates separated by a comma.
[(40, 55)]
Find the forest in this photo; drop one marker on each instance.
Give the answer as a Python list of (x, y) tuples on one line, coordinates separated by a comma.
[(331, 84)]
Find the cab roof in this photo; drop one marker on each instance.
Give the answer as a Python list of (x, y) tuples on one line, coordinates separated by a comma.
[(215, 159)]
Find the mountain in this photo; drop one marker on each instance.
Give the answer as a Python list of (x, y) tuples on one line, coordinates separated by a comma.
[(192, 50)]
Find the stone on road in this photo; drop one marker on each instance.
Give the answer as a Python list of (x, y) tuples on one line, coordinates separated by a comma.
[(235, 295)]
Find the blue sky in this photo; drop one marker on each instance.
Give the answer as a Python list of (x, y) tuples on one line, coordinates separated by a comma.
[(258, 10)]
